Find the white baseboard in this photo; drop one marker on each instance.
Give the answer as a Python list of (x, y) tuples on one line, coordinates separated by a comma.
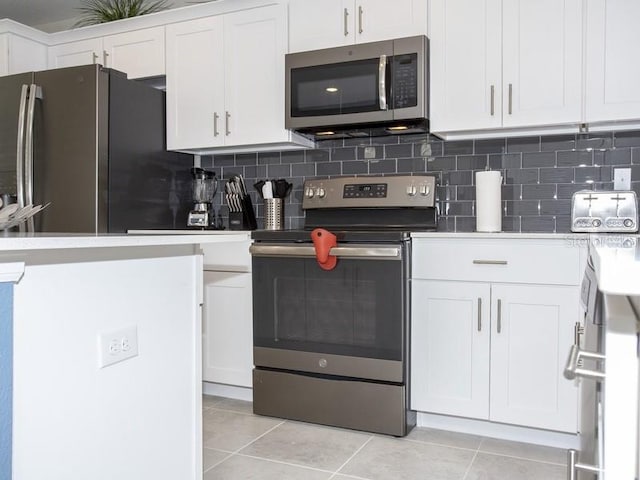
[(498, 430), (228, 391)]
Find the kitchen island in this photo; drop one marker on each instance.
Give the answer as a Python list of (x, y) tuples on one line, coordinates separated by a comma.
[(106, 354)]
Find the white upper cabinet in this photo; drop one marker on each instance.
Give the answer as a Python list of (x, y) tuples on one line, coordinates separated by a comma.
[(139, 53), (225, 82), (332, 23), (612, 66), (498, 64), (19, 54)]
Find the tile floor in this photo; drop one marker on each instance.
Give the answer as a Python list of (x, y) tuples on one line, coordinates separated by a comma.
[(241, 446)]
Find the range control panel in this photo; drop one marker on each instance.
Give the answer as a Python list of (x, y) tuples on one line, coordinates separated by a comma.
[(370, 192)]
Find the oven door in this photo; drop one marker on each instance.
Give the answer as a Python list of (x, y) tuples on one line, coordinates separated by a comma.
[(350, 321)]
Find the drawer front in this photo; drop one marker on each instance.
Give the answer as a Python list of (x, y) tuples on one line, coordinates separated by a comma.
[(547, 261), (227, 257)]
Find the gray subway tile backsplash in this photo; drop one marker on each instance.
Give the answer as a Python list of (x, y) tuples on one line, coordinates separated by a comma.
[(540, 174)]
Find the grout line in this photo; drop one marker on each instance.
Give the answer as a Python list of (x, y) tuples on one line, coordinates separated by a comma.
[(351, 457), (439, 444), (259, 436), (281, 462), (229, 455), (547, 462), (466, 473)]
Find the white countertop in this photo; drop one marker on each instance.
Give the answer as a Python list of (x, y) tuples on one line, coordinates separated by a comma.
[(51, 241), (616, 259), (497, 235)]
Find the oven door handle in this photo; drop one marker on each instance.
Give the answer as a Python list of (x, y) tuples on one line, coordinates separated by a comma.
[(370, 252), (572, 369)]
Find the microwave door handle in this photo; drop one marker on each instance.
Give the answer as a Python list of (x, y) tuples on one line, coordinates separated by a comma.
[(382, 84)]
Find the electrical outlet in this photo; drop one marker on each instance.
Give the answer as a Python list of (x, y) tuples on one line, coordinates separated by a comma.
[(118, 345), (622, 179)]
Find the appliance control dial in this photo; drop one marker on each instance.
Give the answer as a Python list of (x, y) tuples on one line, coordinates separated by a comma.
[(320, 193), (424, 190), (628, 222), (411, 190), (309, 192), (596, 222)]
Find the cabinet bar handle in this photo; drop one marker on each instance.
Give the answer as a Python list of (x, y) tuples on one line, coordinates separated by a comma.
[(479, 314), (226, 123), (573, 466), (493, 98), (95, 57), (490, 262), (499, 315), (346, 22), (105, 56), (572, 368), (510, 99), (215, 123), (360, 19)]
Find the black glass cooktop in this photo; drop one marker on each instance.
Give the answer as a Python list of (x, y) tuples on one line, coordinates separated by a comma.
[(354, 236)]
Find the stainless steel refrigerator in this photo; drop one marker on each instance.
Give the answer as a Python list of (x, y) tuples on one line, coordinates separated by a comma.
[(92, 144)]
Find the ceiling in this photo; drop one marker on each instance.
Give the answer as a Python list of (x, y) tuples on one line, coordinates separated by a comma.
[(42, 12)]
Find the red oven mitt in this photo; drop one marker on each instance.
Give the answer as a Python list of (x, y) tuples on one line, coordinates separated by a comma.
[(323, 241)]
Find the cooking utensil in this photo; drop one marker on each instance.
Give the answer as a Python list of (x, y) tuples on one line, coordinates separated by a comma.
[(267, 190)]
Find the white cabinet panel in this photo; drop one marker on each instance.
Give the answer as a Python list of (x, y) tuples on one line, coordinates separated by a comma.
[(195, 83), (499, 64), (531, 335), (139, 53), (612, 71), (227, 329), (19, 54), (84, 52), (333, 23), (450, 348)]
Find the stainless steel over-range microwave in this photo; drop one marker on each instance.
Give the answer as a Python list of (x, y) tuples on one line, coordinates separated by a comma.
[(378, 85)]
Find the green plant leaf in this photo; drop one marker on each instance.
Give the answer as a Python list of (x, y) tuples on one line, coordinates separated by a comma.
[(93, 12)]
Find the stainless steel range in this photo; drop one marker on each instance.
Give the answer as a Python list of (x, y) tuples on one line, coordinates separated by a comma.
[(331, 304)]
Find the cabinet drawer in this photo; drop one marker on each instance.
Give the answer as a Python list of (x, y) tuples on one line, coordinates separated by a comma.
[(228, 257), (547, 261)]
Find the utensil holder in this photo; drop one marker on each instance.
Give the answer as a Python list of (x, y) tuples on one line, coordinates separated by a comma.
[(273, 214)]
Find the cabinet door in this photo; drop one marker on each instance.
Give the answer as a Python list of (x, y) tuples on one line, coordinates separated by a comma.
[(227, 337), (542, 62), (382, 20), (254, 77), (84, 52), (20, 55), (139, 53), (315, 25), (532, 331), (450, 330), (466, 77), (612, 69), (195, 84)]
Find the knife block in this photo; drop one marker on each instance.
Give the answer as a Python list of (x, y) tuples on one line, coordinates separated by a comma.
[(244, 220)]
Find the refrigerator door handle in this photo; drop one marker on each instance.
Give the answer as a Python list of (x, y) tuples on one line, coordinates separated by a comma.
[(34, 92), (20, 149)]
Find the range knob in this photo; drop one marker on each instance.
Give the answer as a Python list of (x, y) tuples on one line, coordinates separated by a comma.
[(320, 193), (309, 192), (424, 190), (411, 190), (596, 222), (628, 222)]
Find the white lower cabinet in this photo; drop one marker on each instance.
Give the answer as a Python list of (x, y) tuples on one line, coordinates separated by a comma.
[(227, 320), (492, 350)]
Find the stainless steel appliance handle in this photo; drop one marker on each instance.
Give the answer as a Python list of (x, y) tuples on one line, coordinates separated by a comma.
[(105, 57), (572, 368), (382, 82), (490, 262), (493, 98), (227, 116), (346, 22), (20, 148), (510, 99), (370, 252), (479, 314), (573, 466), (499, 316), (360, 11), (215, 123), (34, 92), (95, 57)]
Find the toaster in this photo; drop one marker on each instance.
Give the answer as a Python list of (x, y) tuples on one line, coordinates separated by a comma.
[(604, 211)]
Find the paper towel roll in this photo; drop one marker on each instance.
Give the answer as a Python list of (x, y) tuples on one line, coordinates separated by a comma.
[(488, 201)]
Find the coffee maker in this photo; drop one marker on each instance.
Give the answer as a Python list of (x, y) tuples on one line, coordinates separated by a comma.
[(205, 186)]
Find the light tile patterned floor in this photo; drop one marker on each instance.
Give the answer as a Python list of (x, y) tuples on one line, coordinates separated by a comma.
[(241, 446)]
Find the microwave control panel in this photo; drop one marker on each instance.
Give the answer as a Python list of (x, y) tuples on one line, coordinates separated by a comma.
[(396, 191), (405, 81)]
